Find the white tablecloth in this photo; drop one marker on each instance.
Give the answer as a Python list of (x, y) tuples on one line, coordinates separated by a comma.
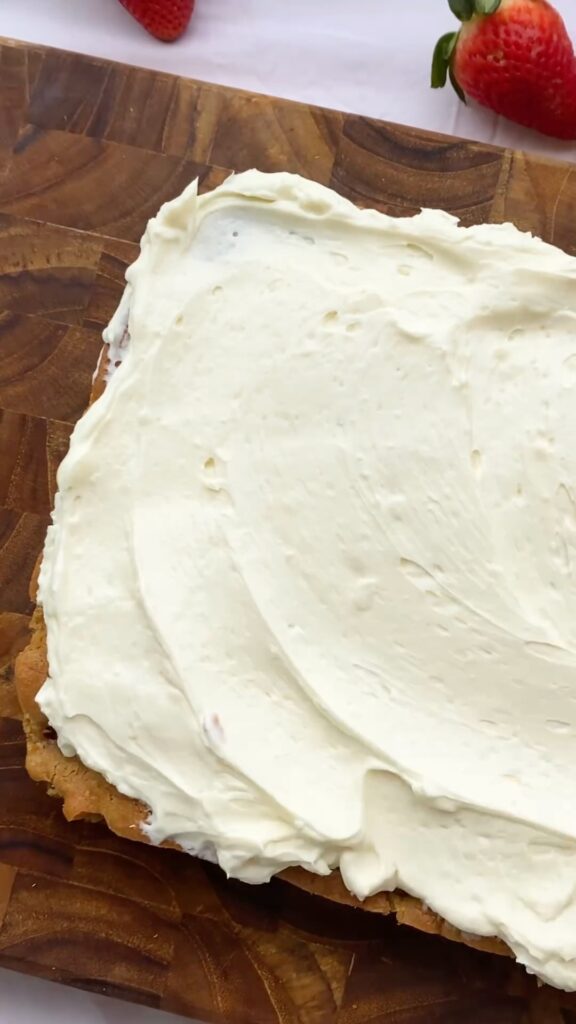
[(367, 56)]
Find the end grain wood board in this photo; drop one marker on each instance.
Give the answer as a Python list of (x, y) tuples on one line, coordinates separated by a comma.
[(88, 152)]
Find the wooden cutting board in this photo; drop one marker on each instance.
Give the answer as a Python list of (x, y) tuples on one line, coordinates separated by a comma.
[(88, 152)]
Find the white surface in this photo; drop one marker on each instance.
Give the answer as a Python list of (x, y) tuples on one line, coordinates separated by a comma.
[(26, 1000), (368, 56)]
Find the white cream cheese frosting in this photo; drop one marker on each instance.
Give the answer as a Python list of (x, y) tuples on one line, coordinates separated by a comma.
[(310, 586)]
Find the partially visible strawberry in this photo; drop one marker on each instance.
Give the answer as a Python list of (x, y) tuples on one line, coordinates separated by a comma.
[(164, 19), (515, 57)]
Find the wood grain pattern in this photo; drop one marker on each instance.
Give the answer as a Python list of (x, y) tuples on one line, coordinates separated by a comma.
[(34, 449), (90, 184), (400, 170), (45, 368), (46, 269), (88, 151)]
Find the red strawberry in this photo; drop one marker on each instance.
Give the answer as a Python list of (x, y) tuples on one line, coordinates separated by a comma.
[(165, 19), (515, 57)]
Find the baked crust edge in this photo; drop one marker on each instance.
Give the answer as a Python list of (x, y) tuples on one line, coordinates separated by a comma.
[(87, 795)]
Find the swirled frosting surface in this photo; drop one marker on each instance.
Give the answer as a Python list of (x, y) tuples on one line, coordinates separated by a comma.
[(310, 586)]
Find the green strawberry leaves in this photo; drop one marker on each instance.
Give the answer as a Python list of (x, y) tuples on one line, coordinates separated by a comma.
[(487, 6), (442, 64), (456, 85), (466, 9), (442, 58), (463, 9)]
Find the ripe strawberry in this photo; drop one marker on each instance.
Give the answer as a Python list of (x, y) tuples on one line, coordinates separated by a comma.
[(165, 19), (515, 57)]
